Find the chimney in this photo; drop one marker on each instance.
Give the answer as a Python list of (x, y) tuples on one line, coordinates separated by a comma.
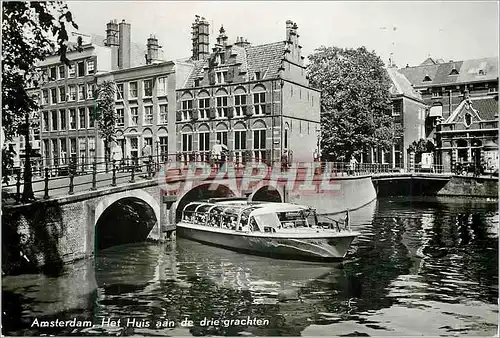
[(124, 33), (222, 38), (112, 42), (289, 27), (240, 42), (152, 50), (200, 38)]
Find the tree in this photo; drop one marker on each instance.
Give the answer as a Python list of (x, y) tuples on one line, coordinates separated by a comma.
[(355, 101), (28, 33), (105, 114)]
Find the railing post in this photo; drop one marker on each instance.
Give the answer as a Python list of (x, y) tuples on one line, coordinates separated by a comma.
[(18, 186), (132, 180), (46, 188), (148, 167), (94, 174), (71, 185), (113, 180)]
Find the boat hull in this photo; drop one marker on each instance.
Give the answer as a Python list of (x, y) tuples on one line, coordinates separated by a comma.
[(315, 248)]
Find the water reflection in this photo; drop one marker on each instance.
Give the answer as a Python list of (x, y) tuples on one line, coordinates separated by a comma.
[(421, 266)]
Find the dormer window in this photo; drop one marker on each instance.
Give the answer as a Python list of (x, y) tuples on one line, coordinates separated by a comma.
[(426, 79), (468, 119), (257, 76), (221, 77), (454, 72), (482, 72)]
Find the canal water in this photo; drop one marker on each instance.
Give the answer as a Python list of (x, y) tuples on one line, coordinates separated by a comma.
[(421, 267)]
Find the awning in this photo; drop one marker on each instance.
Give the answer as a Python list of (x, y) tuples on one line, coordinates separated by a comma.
[(436, 111), (490, 146)]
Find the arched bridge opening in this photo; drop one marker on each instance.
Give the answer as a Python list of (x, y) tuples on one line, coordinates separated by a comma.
[(203, 192), (267, 194), (126, 220)]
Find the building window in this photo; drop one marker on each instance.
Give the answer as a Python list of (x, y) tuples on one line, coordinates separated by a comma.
[(493, 89), (222, 108), (72, 148), (82, 147), (204, 141), (482, 72), (148, 88), (71, 70), (187, 105), (257, 76), (426, 79), (53, 72), (45, 121), (62, 94), (221, 136), (454, 72), (81, 92), (91, 148), (467, 119), (90, 113), (163, 108), (53, 95), (240, 144), (163, 147), (45, 96), (162, 86), (133, 89), (90, 67), (62, 119), (187, 142), (437, 93), (148, 115), (81, 69), (72, 93), (54, 119), (54, 152), (63, 151), (119, 91), (240, 105), (204, 108), (259, 144), (396, 109), (72, 119), (259, 100), (82, 118), (134, 147), (90, 90), (62, 73), (120, 117), (134, 114), (220, 77)]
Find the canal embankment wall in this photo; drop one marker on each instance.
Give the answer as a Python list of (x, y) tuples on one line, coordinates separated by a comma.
[(470, 187), (347, 193)]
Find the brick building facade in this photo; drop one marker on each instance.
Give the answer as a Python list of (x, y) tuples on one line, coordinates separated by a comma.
[(254, 99)]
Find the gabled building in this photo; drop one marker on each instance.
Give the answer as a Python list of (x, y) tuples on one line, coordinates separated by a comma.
[(443, 84), (255, 99), (408, 111), (463, 136)]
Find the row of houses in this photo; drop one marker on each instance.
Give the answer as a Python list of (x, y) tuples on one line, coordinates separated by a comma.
[(255, 99)]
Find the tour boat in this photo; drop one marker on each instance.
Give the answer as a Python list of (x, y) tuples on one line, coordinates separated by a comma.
[(281, 230)]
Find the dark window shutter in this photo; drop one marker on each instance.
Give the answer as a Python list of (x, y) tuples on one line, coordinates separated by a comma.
[(230, 74), (268, 108), (249, 111), (211, 77), (212, 113), (178, 115), (194, 114)]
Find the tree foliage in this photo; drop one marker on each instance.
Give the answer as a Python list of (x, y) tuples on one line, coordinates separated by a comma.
[(422, 146), (30, 31), (106, 115), (355, 101)]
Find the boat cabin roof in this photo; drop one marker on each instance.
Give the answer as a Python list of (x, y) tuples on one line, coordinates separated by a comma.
[(237, 207)]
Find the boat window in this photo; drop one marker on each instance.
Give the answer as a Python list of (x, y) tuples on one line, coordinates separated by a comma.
[(253, 225), (293, 219), (267, 220)]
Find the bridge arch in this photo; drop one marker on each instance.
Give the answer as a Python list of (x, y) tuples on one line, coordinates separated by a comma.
[(267, 193), (204, 191), (125, 217)]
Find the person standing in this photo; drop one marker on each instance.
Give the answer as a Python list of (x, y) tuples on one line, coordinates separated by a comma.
[(217, 152), (284, 161), (146, 155), (352, 164), (116, 154)]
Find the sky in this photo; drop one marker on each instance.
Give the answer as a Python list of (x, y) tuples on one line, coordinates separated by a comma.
[(411, 31)]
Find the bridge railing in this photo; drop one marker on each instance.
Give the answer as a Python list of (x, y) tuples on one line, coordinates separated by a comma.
[(66, 178)]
